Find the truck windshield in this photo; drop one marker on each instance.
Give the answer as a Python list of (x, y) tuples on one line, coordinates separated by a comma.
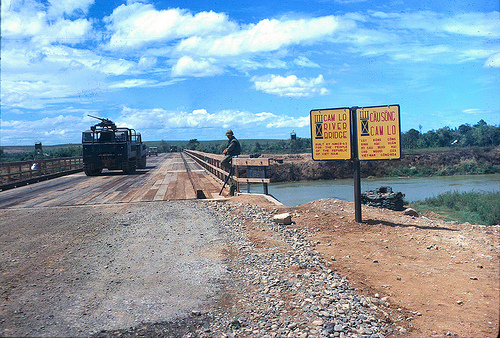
[(121, 136), (88, 137), (106, 136)]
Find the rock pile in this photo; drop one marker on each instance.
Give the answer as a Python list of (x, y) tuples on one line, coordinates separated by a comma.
[(383, 197), (287, 292)]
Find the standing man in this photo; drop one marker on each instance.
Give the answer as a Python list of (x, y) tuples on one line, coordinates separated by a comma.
[(233, 148)]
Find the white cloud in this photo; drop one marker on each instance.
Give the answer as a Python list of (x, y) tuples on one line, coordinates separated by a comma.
[(186, 66), (469, 24), (137, 24), (302, 61), (473, 111), (210, 34), (130, 83), (422, 53), (287, 122), (493, 61), (475, 54), (474, 24), (33, 23), (290, 86), (160, 119), (45, 60), (64, 31), (57, 129), (267, 35), (147, 62), (33, 78), (59, 7)]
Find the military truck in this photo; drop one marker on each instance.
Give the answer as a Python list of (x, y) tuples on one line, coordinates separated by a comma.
[(113, 148), (153, 151)]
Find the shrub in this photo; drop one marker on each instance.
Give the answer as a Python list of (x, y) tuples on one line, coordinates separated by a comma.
[(472, 207)]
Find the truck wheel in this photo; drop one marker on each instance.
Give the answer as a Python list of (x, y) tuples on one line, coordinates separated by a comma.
[(92, 171), (130, 168)]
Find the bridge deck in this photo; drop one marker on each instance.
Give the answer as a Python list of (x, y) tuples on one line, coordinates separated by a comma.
[(167, 177)]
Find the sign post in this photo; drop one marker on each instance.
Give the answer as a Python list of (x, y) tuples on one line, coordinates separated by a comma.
[(356, 134), (356, 165)]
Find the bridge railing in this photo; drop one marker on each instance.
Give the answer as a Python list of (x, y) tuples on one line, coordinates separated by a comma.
[(246, 170), (13, 174)]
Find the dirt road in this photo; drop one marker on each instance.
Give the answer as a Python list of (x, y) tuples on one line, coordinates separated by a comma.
[(130, 268), (73, 271)]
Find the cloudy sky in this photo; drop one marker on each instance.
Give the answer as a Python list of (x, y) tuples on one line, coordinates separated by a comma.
[(177, 70)]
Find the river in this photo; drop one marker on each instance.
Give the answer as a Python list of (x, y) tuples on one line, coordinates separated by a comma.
[(414, 188)]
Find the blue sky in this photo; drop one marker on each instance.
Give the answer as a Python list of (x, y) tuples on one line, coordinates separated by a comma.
[(178, 70)]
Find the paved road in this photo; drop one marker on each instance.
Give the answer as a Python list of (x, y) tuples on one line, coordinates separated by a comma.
[(77, 270)]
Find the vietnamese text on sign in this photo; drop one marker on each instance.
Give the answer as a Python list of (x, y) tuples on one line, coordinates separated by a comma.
[(378, 133)]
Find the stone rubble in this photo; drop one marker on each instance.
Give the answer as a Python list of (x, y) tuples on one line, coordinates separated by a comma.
[(287, 292)]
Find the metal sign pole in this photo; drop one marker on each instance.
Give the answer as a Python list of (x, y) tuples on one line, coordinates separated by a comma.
[(356, 166)]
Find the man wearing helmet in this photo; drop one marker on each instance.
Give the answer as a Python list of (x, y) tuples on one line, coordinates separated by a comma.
[(233, 148)]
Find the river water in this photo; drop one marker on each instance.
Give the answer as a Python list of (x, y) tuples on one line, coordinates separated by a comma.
[(414, 188)]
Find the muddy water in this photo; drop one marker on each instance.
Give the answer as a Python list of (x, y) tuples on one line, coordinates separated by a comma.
[(415, 188)]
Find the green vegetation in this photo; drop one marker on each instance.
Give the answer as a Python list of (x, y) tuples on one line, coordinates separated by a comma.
[(249, 146), (467, 167), (465, 136), (478, 135), (26, 153), (472, 207)]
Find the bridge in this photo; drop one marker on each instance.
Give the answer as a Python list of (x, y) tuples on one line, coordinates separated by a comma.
[(169, 176), (106, 252)]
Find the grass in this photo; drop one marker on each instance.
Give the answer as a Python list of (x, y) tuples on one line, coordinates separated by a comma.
[(467, 167), (472, 207)]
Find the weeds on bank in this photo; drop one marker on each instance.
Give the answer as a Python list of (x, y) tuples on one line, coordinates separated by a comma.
[(472, 207), (464, 168)]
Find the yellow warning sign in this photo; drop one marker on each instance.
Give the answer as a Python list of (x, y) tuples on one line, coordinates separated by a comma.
[(378, 133), (331, 134)]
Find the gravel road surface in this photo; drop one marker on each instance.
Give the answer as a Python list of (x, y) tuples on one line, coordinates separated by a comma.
[(78, 271), (227, 269)]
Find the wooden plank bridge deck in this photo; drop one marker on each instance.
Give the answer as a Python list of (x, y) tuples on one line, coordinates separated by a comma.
[(170, 176)]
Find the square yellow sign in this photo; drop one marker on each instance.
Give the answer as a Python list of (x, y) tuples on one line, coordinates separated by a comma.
[(331, 134), (378, 133)]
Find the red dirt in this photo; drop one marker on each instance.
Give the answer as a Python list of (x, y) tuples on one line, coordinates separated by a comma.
[(444, 276)]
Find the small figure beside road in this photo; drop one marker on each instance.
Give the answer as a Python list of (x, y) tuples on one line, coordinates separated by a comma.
[(233, 148)]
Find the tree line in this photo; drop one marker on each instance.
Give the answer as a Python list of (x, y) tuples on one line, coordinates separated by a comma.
[(478, 135), (48, 152)]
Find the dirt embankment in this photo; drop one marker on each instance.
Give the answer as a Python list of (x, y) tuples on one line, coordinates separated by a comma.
[(440, 278), (303, 167)]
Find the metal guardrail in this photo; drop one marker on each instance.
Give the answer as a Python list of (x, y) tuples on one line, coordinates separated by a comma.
[(254, 169), (15, 174)]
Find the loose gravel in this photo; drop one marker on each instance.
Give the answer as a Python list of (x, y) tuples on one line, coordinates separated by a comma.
[(211, 280), (287, 291)]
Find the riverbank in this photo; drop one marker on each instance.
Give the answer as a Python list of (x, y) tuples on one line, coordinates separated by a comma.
[(455, 161), (420, 276)]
